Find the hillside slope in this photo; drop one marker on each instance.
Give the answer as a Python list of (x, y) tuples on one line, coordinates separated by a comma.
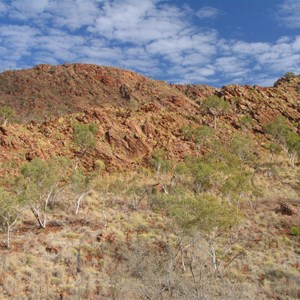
[(134, 114), (116, 186)]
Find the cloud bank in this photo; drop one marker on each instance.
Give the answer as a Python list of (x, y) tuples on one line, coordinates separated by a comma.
[(156, 38), (289, 13)]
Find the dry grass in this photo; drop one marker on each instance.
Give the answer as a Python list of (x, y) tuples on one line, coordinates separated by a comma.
[(118, 248)]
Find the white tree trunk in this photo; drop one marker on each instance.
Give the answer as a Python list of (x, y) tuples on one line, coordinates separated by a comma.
[(81, 197), (41, 220), (10, 226), (8, 236), (293, 156)]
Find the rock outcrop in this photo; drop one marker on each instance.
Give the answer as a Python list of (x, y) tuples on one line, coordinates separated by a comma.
[(134, 114)]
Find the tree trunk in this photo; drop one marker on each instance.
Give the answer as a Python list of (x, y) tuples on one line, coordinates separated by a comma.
[(36, 213), (293, 156), (214, 258), (81, 197), (9, 227), (8, 236), (198, 148), (78, 262), (182, 257)]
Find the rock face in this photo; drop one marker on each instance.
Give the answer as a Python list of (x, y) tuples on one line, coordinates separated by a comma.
[(134, 114)]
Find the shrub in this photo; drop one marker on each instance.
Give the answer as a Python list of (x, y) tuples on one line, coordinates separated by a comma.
[(11, 207), (200, 136), (216, 106), (84, 136), (38, 183), (99, 165), (295, 230), (159, 161), (289, 75), (6, 114), (245, 122), (285, 137), (243, 147)]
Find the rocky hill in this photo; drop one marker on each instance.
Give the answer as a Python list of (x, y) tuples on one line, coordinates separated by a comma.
[(147, 190), (134, 114)]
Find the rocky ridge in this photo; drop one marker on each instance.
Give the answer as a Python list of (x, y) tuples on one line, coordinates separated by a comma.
[(134, 114)]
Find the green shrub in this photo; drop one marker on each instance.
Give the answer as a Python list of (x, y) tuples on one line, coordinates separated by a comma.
[(6, 114), (284, 135), (99, 165), (84, 136), (295, 230), (159, 161), (289, 75), (200, 136), (245, 121), (215, 106)]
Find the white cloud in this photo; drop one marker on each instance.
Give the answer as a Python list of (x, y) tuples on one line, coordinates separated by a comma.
[(280, 57), (250, 48), (17, 40), (207, 13), (74, 14), (60, 45), (138, 21), (3, 8), (289, 13), (24, 9), (230, 65), (149, 36)]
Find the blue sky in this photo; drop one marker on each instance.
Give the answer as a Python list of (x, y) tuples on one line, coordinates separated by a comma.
[(214, 42)]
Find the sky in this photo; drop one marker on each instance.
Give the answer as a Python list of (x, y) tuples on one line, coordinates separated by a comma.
[(215, 42)]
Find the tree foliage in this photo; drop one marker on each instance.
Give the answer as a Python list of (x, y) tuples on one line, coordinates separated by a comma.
[(215, 106), (84, 136), (159, 161), (284, 135), (243, 147), (289, 75), (200, 136), (245, 122), (204, 212), (6, 114), (11, 206), (38, 182)]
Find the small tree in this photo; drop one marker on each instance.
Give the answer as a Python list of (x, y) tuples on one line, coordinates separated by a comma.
[(39, 181), (82, 186), (243, 147), (237, 187), (285, 137), (204, 174), (289, 75), (215, 106), (200, 136), (293, 144), (6, 114), (160, 162), (11, 208), (274, 149), (204, 213), (245, 122), (84, 136)]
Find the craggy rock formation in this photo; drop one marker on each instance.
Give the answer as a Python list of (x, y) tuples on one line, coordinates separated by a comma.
[(134, 114)]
